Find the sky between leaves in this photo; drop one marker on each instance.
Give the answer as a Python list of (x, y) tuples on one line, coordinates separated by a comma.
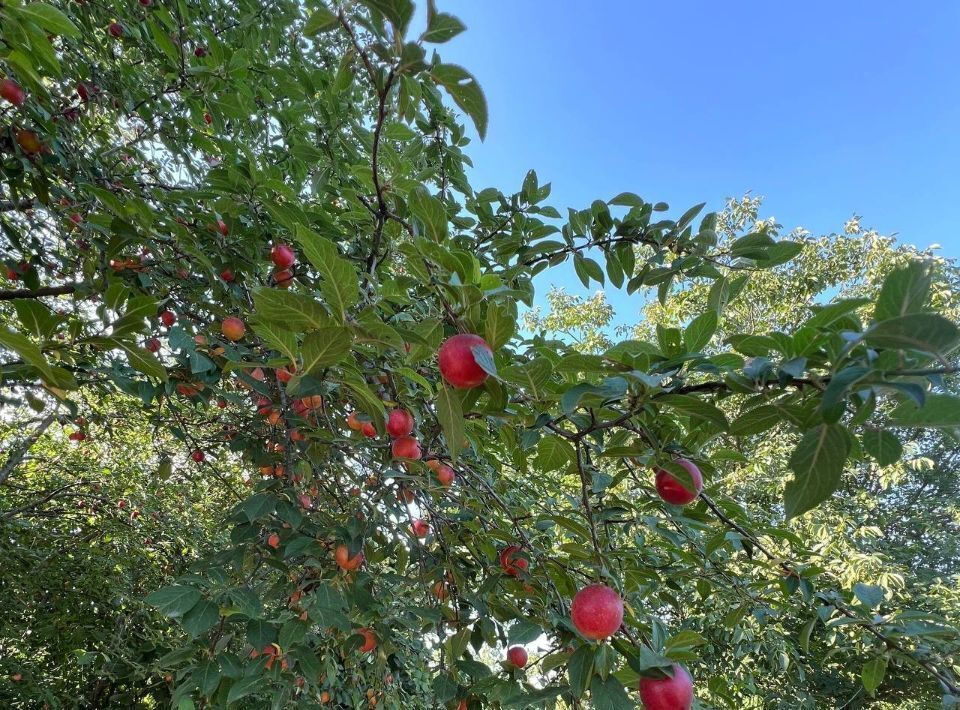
[(827, 109)]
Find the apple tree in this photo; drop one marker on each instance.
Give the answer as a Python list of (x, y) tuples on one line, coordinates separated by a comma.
[(244, 256)]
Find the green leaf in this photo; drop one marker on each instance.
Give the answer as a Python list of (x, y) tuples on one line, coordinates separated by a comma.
[(429, 210), (873, 673), (701, 329), (870, 595), (340, 287), (695, 408), (817, 465), (882, 445), (756, 421), (610, 694), (325, 347), (523, 631), (465, 91), (939, 411), (200, 618), (207, 677), (276, 337), (450, 416), (175, 600), (32, 356), (258, 505), (291, 311), (244, 687), (926, 332), (580, 670), (398, 12), (142, 360), (442, 27), (500, 325), (904, 291), (554, 453), (49, 18), (321, 20)]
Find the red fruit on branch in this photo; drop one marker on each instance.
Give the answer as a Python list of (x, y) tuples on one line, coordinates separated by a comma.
[(511, 562), (283, 278), (153, 345), (28, 141), (222, 227), (369, 640), (406, 447), (115, 29), (597, 612), (420, 528), (168, 318), (227, 275), (368, 430), (12, 92), (458, 365), (674, 693), (345, 561), (399, 423), (274, 540), (233, 328), (197, 456), (445, 475), (517, 656), (672, 490), (283, 256)]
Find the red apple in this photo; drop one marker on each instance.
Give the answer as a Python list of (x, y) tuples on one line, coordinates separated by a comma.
[(77, 436), (222, 227), (672, 490), (207, 118), (282, 256), (420, 528), (457, 363), (285, 374), (115, 29), (153, 345), (29, 142), (674, 693), (199, 52), (227, 275), (233, 328), (445, 475), (511, 563), (517, 656), (406, 447), (282, 278), (369, 640), (597, 612), (197, 456), (345, 561), (168, 318), (399, 423), (353, 422), (12, 92), (368, 430), (76, 218), (274, 540)]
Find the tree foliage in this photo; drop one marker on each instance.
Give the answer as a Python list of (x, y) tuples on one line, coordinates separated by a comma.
[(159, 155)]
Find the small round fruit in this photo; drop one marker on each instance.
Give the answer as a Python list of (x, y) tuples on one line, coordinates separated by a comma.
[(674, 693), (517, 656), (233, 328), (597, 612), (368, 430), (458, 364), (399, 423), (406, 447), (369, 640), (345, 561), (12, 92), (274, 540), (672, 490), (207, 118), (446, 475), (222, 227), (283, 256), (200, 52), (168, 318), (282, 278), (29, 142), (153, 345), (511, 563), (197, 456), (227, 275), (353, 422), (420, 528), (115, 29)]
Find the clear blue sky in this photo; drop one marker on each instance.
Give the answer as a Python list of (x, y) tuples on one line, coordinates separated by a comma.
[(825, 108)]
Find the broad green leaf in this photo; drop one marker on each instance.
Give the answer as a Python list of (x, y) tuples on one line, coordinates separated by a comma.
[(175, 600), (398, 12), (610, 694), (320, 20), (325, 347), (500, 325), (465, 91), (276, 337), (926, 332), (340, 287), (873, 673), (698, 333), (904, 291), (142, 360), (442, 27), (288, 310), (938, 411), (554, 452), (450, 416), (882, 445), (258, 505), (817, 464), (32, 355), (695, 408), (244, 687), (49, 18), (756, 421), (430, 211), (200, 618), (580, 670), (524, 631), (207, 677), (870, 595)]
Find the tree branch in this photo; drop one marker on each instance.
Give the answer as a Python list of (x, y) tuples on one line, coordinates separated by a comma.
[(37, 293)]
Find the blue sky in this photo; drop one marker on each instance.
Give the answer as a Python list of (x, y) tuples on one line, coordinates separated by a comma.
[(827, 109)]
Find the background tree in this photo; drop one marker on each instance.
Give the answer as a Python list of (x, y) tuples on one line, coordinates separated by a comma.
[(241, 245)]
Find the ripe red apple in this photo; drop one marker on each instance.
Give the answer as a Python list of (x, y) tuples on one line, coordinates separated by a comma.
[(77, 436), (345, 561), (115, 29), (674, 693), (353, 422), (369, 640), (168, 318), (153, 345), (445, 475), (197, 456), (274, 540), (207, 118), (76, 218), (285, 374), (200, 52), (672, 490), (146, 3), (12, 92), (222, 227), (457, 363), (29, 142), (597, 611), (517, 656), (399, 423), (406, 447), (511, 563), (420, 528), (233, 328), (282, 278), (283, 256), (368, 430), (227, 275)]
